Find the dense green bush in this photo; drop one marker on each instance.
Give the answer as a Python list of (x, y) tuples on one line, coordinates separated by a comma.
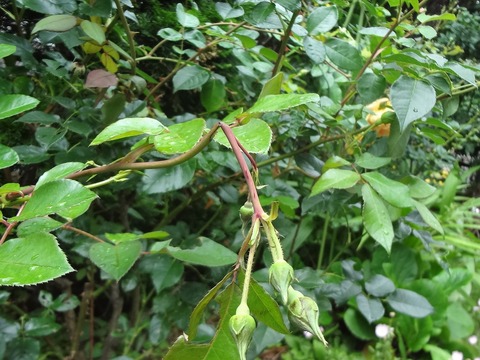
[(141, 142)]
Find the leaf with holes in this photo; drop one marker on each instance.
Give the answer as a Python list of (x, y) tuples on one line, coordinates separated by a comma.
[(180, 138), (117, 259), (32, 259), (66, 198)]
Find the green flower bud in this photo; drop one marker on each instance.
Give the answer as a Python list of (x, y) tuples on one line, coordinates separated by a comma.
[(280, 276), (246, 211), (242, 327), (303, 312)]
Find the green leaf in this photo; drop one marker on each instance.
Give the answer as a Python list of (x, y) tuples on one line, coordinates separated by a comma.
[(411, 99), (56, 23), (157, 181), (273, 86), (190, 77), (281, 102), (409, 303), (66, 198), (371, 309), (31, 260), (185, 19), (36, 225), (371, 87), (129, 127), (6, 50), (462, 72), (334, 162), (379, 31), (15, 104), (41, 326), (263, 307), (371, 162), (321, 20), (428, 217), (208, 253), (428, 32), (423, 18), (453, 279), (459, 321), (358, 326), (213, 95), (164, 271), (101, 8), (59, 172), (23, 348), (344, 55), (255, 136), (398, 140), (335, 179), (314, 49), (93, 31), (394, 192), (222, 345), (376, 218), (51, 6), (180, 138), (197, 313), (117, 259), (8, 157), (226, 11), (379, 286), (170, 34)]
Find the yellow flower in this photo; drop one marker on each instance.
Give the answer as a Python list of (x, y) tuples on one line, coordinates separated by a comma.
[(377, 109)]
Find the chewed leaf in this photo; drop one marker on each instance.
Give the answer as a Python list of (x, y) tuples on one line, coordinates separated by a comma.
[(31, 260)]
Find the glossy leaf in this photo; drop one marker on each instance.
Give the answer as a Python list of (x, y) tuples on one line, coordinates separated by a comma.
[(180, 138), (55, 23), (314, 49), (344, 55), (208, 253), (156, 181), (11, 105), (371, 162), (39, 224), (8, 157), (185, 19), (428, 217), (411, 99), (357, 324), (282, 102), (170, 34), (59, 172), (423, 18), (379, 31), (409, 303), (335, 179), (213, 95), (117, 259), (255, 136), (379, 286), (394, 192), (163, 269), (51, 6), (6, 50), (273, 86), (322, 19), (464, 73), (66, 198), (376, 218), (31, 260), (371, 308), (190, 77), (129, 127), (93, 31)]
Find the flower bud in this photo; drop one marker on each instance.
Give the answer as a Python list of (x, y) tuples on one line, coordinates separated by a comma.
[(280, 276), (242, 325), (303, 312), (246, 211)]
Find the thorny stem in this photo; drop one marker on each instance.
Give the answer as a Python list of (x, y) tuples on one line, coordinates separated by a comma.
[(248, 273)]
